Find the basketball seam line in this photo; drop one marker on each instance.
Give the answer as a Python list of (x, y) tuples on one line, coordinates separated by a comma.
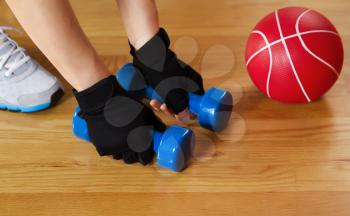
[(290, 57), (286, 38), (270, 66), (307, 48)]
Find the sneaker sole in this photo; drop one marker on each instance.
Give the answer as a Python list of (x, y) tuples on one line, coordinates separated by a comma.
[(55, 97)]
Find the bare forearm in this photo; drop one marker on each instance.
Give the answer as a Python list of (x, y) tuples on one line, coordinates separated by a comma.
[(54, 28), (140, 18)]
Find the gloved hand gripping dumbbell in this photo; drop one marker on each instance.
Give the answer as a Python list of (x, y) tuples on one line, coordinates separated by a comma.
[(213, 108), (94, 123), (156, 73)]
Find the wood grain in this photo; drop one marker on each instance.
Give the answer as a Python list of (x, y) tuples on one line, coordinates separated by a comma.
[(274, 159), (91, 204)]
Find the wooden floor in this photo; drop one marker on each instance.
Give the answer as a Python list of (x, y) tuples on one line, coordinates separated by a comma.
[(274, 159)]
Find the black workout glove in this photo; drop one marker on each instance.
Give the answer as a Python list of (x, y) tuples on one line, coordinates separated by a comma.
[(171, 78), (118, 125)]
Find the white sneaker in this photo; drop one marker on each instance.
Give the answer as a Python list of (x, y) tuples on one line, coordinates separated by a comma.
[(25, 86)]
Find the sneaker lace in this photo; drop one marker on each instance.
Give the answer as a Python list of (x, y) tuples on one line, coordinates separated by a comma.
[(15, 53)]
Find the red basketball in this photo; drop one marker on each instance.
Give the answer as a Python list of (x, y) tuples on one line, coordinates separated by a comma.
[(294, 55)]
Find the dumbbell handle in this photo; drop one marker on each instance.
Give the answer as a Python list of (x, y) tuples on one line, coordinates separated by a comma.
[(80, 130), (213, 109), (194, 99)]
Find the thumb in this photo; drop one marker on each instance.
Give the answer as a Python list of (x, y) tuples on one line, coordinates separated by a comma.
[(184, 116)]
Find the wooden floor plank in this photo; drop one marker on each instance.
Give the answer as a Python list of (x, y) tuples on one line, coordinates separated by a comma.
[(273, 159)]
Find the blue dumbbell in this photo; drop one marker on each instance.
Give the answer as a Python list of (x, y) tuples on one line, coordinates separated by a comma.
[(213, 109), (173, 148)]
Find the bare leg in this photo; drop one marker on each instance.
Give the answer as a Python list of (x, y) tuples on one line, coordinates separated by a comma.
[(54, 28), (140, 18)]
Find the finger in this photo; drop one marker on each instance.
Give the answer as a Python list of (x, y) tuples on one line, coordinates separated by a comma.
[(184, 116), (155, 104), (165, 109), (130, 157), (117, 156), (146, 157)]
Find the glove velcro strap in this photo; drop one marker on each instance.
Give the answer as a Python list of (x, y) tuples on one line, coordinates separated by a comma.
[(95, 97), (162, 34)]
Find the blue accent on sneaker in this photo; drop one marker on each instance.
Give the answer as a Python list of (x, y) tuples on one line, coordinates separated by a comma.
[(25, 109), (55, 97)]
